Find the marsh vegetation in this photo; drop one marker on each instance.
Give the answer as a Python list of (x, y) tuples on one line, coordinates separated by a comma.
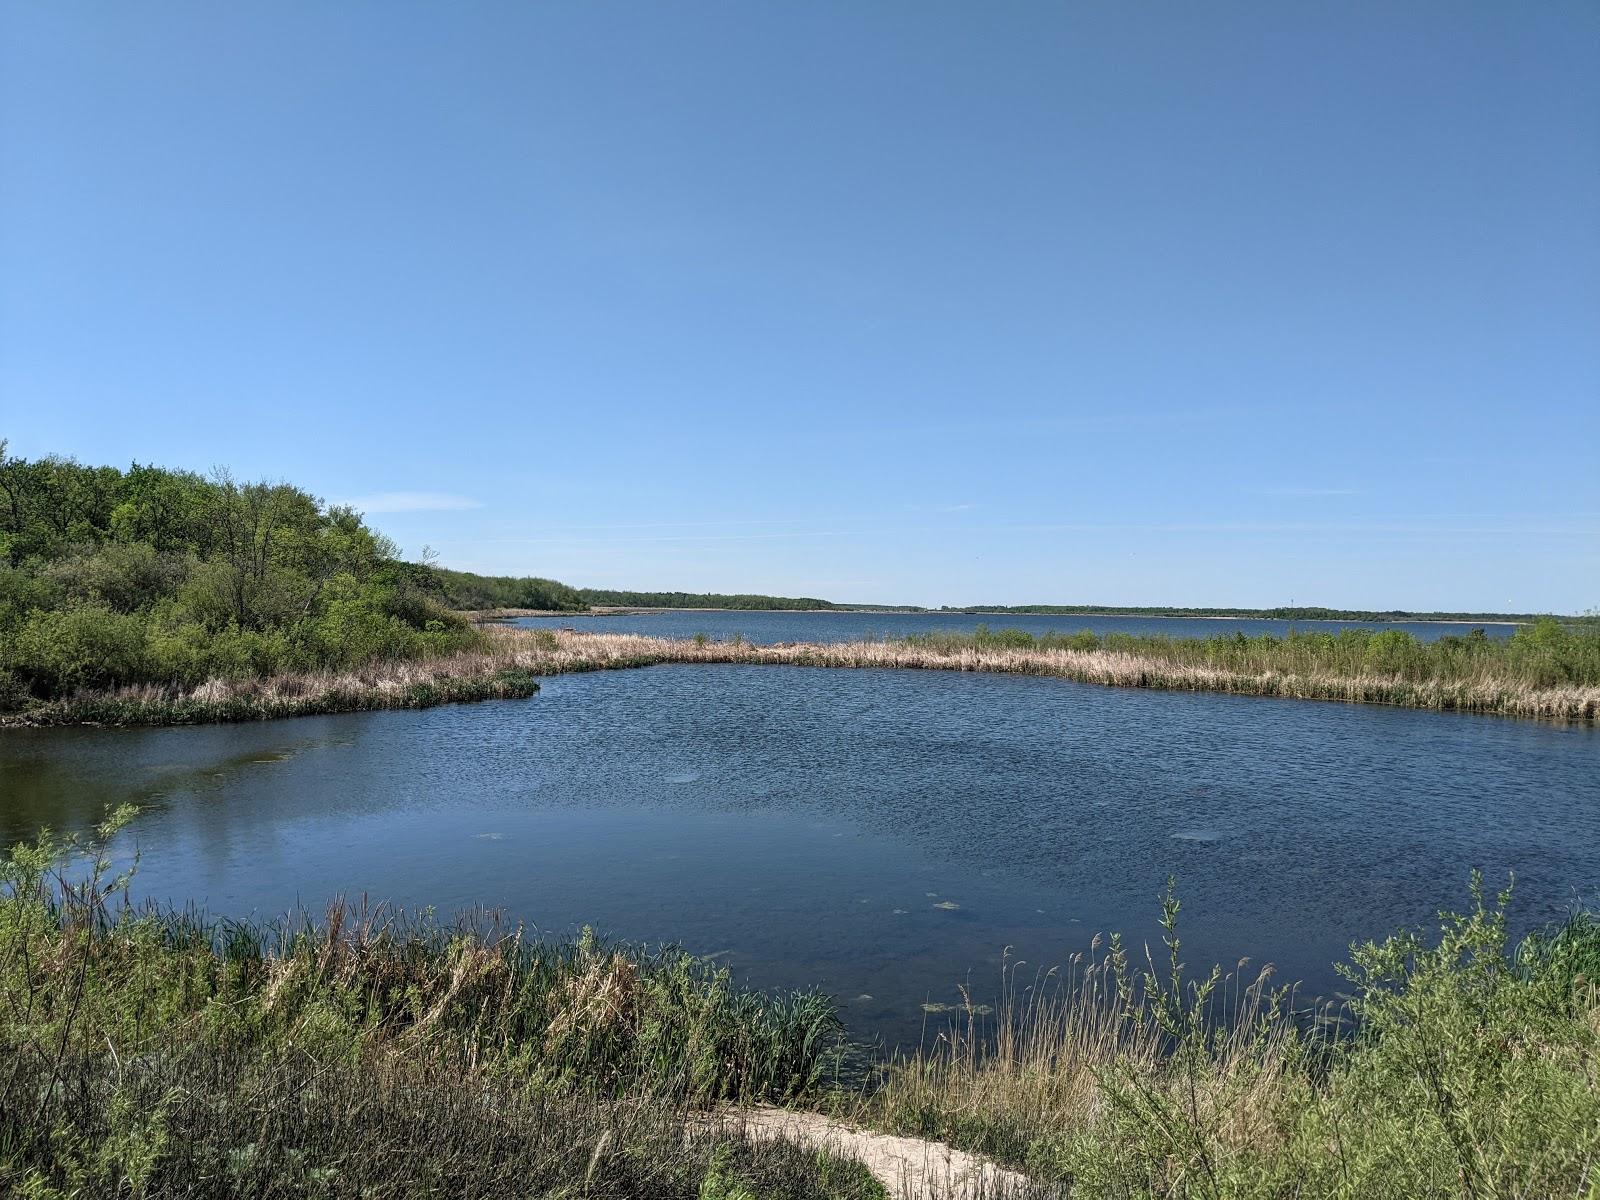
[(1547, 670), (156, 1053), (1461, 1066)]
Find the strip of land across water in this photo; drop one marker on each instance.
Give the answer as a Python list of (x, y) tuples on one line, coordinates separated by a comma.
[(1466, 675)]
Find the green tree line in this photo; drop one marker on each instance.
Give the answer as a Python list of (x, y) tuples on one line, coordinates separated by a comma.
[(112, 577), (464, 590), (615, 599)]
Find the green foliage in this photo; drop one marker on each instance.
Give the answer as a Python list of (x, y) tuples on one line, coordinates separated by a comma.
[(606, 598), (149, 576), (1545, 654), (1471, 1075), (1472, 1072), (463, 590), (152, 1053), (730, 1178)]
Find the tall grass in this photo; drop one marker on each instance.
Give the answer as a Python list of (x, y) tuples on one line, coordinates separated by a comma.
[(452, 679), (1545, 654), (1474, 1071), (153, 1053), (1550, 672), (146, 1053), (1504, 678)]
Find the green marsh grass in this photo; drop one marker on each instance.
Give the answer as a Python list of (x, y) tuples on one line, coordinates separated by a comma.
[(152, 1053), (1473, 1071), (149, 1053), (1546, 671), (1550, 672)]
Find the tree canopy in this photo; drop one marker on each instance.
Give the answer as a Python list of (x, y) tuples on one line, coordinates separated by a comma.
[(149, 575)]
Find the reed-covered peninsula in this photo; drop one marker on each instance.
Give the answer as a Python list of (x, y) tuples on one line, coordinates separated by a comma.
[(1560, 681), (1548, 671)]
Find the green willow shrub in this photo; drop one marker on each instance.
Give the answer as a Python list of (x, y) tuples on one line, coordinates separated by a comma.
[(1556, 654), (121, 577), (13, 693), (110, 578), (85, 647), (1393, 652)]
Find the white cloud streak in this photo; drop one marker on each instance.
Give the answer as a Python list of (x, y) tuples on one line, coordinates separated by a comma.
[(400, 502)]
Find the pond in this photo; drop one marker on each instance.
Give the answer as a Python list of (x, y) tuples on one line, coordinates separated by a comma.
[(883, 834)]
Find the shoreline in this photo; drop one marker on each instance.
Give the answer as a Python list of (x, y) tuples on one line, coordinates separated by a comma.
[(458, 679), (512, 661), (508, 614)]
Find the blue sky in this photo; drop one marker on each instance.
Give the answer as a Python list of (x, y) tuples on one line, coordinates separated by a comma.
[(902, 302)]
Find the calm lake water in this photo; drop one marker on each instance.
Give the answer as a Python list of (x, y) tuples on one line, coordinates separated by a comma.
[(884, 834), (766, 628)]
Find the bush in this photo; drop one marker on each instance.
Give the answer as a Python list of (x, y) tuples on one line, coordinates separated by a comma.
[(1392, 652), (1471, 1072), (161, 577), (63, 651), (124, 577)]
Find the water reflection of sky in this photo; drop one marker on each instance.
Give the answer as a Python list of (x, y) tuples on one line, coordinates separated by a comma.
[(884, 834)]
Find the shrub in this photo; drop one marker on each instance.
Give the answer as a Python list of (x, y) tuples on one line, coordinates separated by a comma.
[(70, 649)]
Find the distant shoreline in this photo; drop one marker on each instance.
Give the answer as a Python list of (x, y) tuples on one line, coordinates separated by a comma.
[(507, 614), (512, 661)]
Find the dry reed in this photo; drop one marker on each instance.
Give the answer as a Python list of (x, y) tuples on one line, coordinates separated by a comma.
[(545, 652), (511, 658)]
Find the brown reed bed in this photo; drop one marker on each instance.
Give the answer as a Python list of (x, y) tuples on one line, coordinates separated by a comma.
[(549, 652), (453, 679), (510, 660)]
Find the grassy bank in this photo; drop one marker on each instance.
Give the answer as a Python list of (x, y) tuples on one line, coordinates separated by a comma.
[(152, 1054), (1473, 1071), (451, 679), (1549, 672)]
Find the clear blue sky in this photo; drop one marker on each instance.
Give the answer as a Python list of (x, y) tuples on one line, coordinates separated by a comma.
[(920, 302)]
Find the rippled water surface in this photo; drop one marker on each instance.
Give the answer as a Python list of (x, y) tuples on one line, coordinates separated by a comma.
[(885, 834)]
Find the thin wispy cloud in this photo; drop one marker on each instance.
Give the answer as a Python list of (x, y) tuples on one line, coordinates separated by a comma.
[(401, 502), (940, 508), (1309, 492), (570, 540)]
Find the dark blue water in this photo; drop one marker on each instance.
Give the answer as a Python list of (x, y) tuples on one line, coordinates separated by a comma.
[(766, 628), (885, 834)]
